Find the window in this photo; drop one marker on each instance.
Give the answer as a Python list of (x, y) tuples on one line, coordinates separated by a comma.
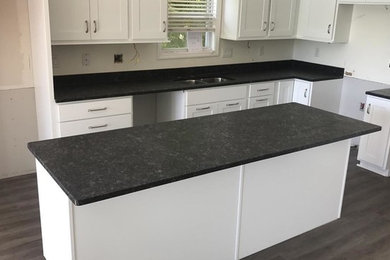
[(193, 26)]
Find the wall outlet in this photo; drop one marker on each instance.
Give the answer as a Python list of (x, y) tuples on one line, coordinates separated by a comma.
[(317, 52), (227, 53), (118, 58), (261, 50), (85, 59)]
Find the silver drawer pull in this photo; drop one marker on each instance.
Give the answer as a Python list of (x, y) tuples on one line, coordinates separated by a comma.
[(263, 89), (203, 108), (97, 126), (234, 104), (261, 100), (97, 109)]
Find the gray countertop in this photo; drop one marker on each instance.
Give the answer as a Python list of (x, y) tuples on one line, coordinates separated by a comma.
[(383, 93), (103, 165)]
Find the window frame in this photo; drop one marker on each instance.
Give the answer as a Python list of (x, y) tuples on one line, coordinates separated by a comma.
[(212, 51)]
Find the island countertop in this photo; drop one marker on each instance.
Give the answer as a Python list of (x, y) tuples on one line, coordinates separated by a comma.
[(93, 167), (382, 93)]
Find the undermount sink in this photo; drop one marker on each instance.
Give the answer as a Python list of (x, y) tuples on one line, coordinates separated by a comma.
[(205, 80)]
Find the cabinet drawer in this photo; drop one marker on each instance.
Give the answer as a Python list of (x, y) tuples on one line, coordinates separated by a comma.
[(95, 125), (201, 110), (94, 108), (231, 106), (263, 101), (261, 89), (212, 95)]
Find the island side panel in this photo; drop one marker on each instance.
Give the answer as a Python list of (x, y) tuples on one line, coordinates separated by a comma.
[(288, 195), (55, 213), (191, 219)]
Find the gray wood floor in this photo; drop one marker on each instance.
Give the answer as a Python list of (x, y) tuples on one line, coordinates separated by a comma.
[(363, 232)]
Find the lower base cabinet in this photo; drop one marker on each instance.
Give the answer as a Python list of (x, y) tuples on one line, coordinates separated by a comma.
[(374, 148), (223, 215)]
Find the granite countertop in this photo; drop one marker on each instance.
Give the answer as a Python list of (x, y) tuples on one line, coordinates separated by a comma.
[(104, 85), (103, 165), (383, 93)]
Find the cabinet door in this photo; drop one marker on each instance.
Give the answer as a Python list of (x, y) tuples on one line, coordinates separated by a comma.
[(231, 106), (263, 101), (149, 20), (282, 18), (253, 19), (316, 19), (201, 110), (69, 20), (109, 19), (374, 148), (302, 92), (284, 92)]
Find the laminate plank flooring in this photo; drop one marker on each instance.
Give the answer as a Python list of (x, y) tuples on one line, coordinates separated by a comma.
[(363, 232)]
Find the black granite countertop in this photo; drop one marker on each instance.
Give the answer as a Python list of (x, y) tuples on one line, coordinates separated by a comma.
[(103, 165), (383, 93), (104, 85)]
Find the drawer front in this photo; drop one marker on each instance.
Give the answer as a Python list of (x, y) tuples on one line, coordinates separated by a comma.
[(263, 101), (93, 109), (231, 106), (261, 89), (95, 125), (201, 110), (218, 94)]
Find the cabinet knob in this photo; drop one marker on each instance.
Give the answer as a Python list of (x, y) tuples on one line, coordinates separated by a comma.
[(265, 26), (329, 27), (273, 26), (86, 26), (95, 25)]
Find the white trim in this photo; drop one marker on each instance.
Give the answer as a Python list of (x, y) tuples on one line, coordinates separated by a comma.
[(13, 87)]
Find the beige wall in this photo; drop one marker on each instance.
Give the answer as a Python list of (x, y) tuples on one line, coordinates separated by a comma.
[(17, 105), (367, 54), (68, 58)]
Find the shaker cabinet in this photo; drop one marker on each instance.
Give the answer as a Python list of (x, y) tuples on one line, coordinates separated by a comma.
[(258, 19), (149, 20), (302, 92), (374, 148), (88, 20)]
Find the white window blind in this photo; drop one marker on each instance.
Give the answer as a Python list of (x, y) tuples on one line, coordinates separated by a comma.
[(191, 15)]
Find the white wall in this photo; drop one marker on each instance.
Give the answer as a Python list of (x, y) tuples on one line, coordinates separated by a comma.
[(17, 105), (367, 54), (68, 58)]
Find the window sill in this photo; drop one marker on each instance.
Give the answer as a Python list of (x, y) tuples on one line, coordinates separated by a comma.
[(162, 54)]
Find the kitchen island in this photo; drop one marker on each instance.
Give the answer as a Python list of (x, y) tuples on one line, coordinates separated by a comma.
[(216, 187)]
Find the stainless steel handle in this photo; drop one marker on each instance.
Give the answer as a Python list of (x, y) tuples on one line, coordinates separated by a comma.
[(273, 26), (87, 26), (369, 109), (97, 126), (165, 26), (95, 25), (261, 100), (305, 95), (233, 104), (263, 89), (265, 26), (203, 108), (97, 109), (329, 27)]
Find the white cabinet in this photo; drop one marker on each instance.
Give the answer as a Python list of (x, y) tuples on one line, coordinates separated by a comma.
[(284, 91), (83, 117), (370, 2), (84, 20), (261, 94), (258, 19), (149, 20), (324, 21), (302, 92), (374, 148), (231, 106), (201, 110)]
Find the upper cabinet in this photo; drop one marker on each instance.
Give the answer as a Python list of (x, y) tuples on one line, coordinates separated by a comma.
[(149, 20), (258, 19), (324, 21), (80, 20)]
